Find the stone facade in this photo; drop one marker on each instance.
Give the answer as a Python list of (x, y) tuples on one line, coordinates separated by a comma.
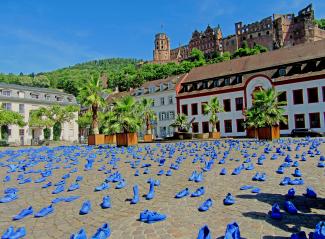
[(24, 99), (273, 32)]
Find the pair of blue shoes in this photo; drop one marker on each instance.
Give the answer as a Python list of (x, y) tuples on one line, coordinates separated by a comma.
[(24, 213), (8, 197), (199, 192), (10, 233), (102, 233), (196, 177), (151, 216), (73, 187), (319, 232), (229, 199), (232, 232), (205, 206), (259, 177), (85, 208), (58, 189), (44, 211), (102, 187), (106, 202), (310, 193), (65, 199), (151, 193)]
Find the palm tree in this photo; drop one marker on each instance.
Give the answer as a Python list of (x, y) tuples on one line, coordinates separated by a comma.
[(148, 113), (93, 95), (213, 107), (181, 122), (127, 115), (266, 111)]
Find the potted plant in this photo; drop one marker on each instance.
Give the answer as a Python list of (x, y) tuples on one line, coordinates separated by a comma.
[(108, 127), (213, 107), (148, 116), (266, 114), (127, 121), (183, 126), (92, 94), (251, 123)]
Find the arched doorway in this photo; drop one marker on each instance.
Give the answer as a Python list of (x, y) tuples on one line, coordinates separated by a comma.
[(5, 132)]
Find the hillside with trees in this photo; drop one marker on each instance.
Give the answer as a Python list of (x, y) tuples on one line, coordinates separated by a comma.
[(121, 73)]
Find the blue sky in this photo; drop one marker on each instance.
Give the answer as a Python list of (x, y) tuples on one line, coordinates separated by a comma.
[(43, 35)]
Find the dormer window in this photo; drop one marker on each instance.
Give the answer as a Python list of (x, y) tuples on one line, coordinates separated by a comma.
[(161, 87), (170, 85), (34, 96), (6, 92), (47, 97), (204, 85), (152, 89), (227, 81), (282, 72), (21, 94), (59, 98), (69, 99)]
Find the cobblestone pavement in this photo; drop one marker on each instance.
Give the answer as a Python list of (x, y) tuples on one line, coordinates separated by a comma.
[(183, 218)]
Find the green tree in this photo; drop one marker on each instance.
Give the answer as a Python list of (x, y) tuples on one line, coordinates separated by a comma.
[(320, 23), (148, 113), (181, 123), (266, 111), (213, 108), (93, 94), (198, 57), (8, 117)]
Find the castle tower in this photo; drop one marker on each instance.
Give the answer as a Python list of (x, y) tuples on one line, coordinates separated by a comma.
[(161, 53)]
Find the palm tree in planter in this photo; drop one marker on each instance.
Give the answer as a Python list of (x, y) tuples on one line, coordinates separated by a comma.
[(127, 121), (267, 113), (183, 126), (93, 94), (109, 127), (149, 116), (213, 107)]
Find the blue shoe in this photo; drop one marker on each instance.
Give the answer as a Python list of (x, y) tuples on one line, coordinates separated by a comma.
[(297, 173), (79, 235), (169, 173), (206, 205), (246, 187), (8, 198), (137, 173), (121, 184), (232, 231), (6, 179), (296, 181), (85, 208), (319, 231), (102, 187), (290, 207), (285, 181), (280, 170), (255, 190), (161, 172), (135, 199), (106, 202), (21, 232), (155, 217), (204, 233), (193, 176), (262, 177), (295, 164), (73, 187), (199, 192), (275, 213), (24, 213), (44, 211), (256, 177), (62, 182), (49, 184), (144, 215), (8, 233), (223, 171), (250, 167), (151, 193), (299, 235), (229, 200), (58, 189), (79, 178), (291, 193), (103, 232), (310, 193), (40, 180), (185, 192), (199, 178)]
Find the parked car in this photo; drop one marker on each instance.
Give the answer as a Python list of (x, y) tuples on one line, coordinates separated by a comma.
[(305, 132)]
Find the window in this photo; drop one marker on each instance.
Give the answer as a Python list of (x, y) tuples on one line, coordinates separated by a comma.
[(227, 81), (216, 83), (227, 105), (34, 96), (6, 106), (299, 121), (152, 89), (184, 109), (21, 94), (298, 97), (204, 85), (171, 115), (314, 120), (170, 85), (284, 126), (202, 107), (153, 103), (162, 116), (161, 87), (195, 127), (194, 109), (21, 132), (58, 98), (170, 100), (312, 94), (228, 126), (47, 97), (205, 127), (21, 108), (240, 125), (239, 103), (162, 101), (282, 96), (6, 93), (282, 72)]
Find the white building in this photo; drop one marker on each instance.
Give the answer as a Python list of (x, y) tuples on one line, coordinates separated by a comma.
[(298, 71), (163, 94), (23, 99)]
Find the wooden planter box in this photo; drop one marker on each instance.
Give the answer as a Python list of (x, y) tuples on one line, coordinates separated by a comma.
[(110, 139), (214, 135), (269, 133), (148, 138), (126, 139), (202, 136), (96, 139), (252, 133)]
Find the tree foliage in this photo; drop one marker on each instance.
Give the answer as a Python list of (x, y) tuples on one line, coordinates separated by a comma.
[(320, 23), (181, 123), (213, 108), (8, 117)]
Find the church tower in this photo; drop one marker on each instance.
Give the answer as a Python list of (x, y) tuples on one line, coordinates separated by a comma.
[(161, 54)]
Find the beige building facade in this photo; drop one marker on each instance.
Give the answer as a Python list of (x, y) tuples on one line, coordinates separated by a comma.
[(23, 99)]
